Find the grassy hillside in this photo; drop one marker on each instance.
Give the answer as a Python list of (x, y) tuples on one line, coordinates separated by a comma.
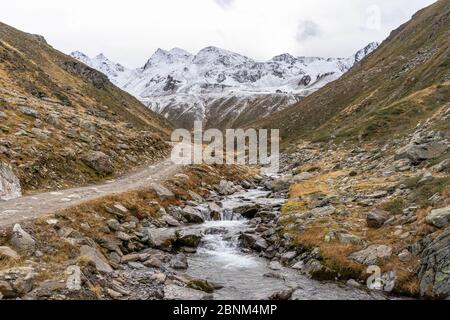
[(403, 83), (63, 123)]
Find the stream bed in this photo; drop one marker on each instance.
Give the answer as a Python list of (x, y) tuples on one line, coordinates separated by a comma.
[(247, 276)]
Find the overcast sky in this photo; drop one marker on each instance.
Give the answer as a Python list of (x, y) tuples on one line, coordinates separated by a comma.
[(130, 31)]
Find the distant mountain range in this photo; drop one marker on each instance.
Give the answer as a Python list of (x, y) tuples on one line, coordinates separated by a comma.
[(222, 88)]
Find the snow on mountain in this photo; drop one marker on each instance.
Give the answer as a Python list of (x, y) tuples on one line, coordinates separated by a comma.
[(221, 87)]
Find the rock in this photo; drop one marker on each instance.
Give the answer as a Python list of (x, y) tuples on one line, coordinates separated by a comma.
[(417, 153), (440, 218), (169, 220), (73, 282), (226, 188), (376, 218), (21, 240), (153, 262), (434, 273), (347, 238), (123, 236), (282, 295), (162, 191), (253, 241), (353, 283), (288, 256), (29, 112), (201, 285), (192, 215), (405, 256), (174, 292), (114, 225), (162, 238), (8, 253), (9, 183), (133, 257), (179, 262), (97, 258), (378, 194), (427, 176), (282, 184), (441, 166), (16, 282), (188, 238), (99, 162), (159, 277), (372, 254), (275, 265), (114, 294), (302, 177), (247, 211)]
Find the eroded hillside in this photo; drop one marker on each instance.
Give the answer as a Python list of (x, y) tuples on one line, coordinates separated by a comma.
[(63, 123)]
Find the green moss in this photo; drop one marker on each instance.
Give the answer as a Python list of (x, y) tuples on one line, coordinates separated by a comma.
[(394, 206)]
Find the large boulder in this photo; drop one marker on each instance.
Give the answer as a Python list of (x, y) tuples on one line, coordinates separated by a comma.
[(162, 238), (376, 218), (162, 191), (434, 271), (188, 238), (21, 240), (9, 183), (420, 152), (97, 258), (372, 254), (439, 217), (253, 241), (99, 162), (192, 215)]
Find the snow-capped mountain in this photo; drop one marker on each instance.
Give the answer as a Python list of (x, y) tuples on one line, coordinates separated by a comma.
[(222, 88)]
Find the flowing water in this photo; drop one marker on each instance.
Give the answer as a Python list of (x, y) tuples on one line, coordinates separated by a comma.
[(246, 276)]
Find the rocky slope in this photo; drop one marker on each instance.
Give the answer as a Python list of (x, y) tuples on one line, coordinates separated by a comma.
[(64, 123), (368, 167), (222, 88)]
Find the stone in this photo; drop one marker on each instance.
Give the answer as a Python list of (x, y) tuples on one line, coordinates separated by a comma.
[(21, 240), (247, 211), (434, 273), (418, 153), (153, 262), (169, 220), (97, 258), (99, 162), (275, 265), (439, 218), (405, 256), (347, 238), (73, 282), (9, 183), (8, 253), (16, 282), (288, 256), (252, 241), (179, 262), (192, 215), (371, 255), (445, 164), (29, 112), (174, 292), (188, 238), (376, 218), (114, 225), (282, 295), (162, 191), (226, 187), (162, 238), (133, 257)]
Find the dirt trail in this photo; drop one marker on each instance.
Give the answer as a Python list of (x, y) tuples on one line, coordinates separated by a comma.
[(39, 204)]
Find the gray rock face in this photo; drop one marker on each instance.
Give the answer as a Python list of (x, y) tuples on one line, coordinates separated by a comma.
[(434, 271), (417, 153), (21, 240), (439, 217), (372, 254), (252, 241), (376, 218), (97, 258), (99, 162), (9, 183), (179, 262), (192, 215)]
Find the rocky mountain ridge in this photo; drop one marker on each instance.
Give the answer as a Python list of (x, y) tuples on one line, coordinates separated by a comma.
[(222, 88)]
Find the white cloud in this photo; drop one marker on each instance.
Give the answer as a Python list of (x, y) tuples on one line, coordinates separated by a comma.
[(129, 32), (225, 4), (307, 29)]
